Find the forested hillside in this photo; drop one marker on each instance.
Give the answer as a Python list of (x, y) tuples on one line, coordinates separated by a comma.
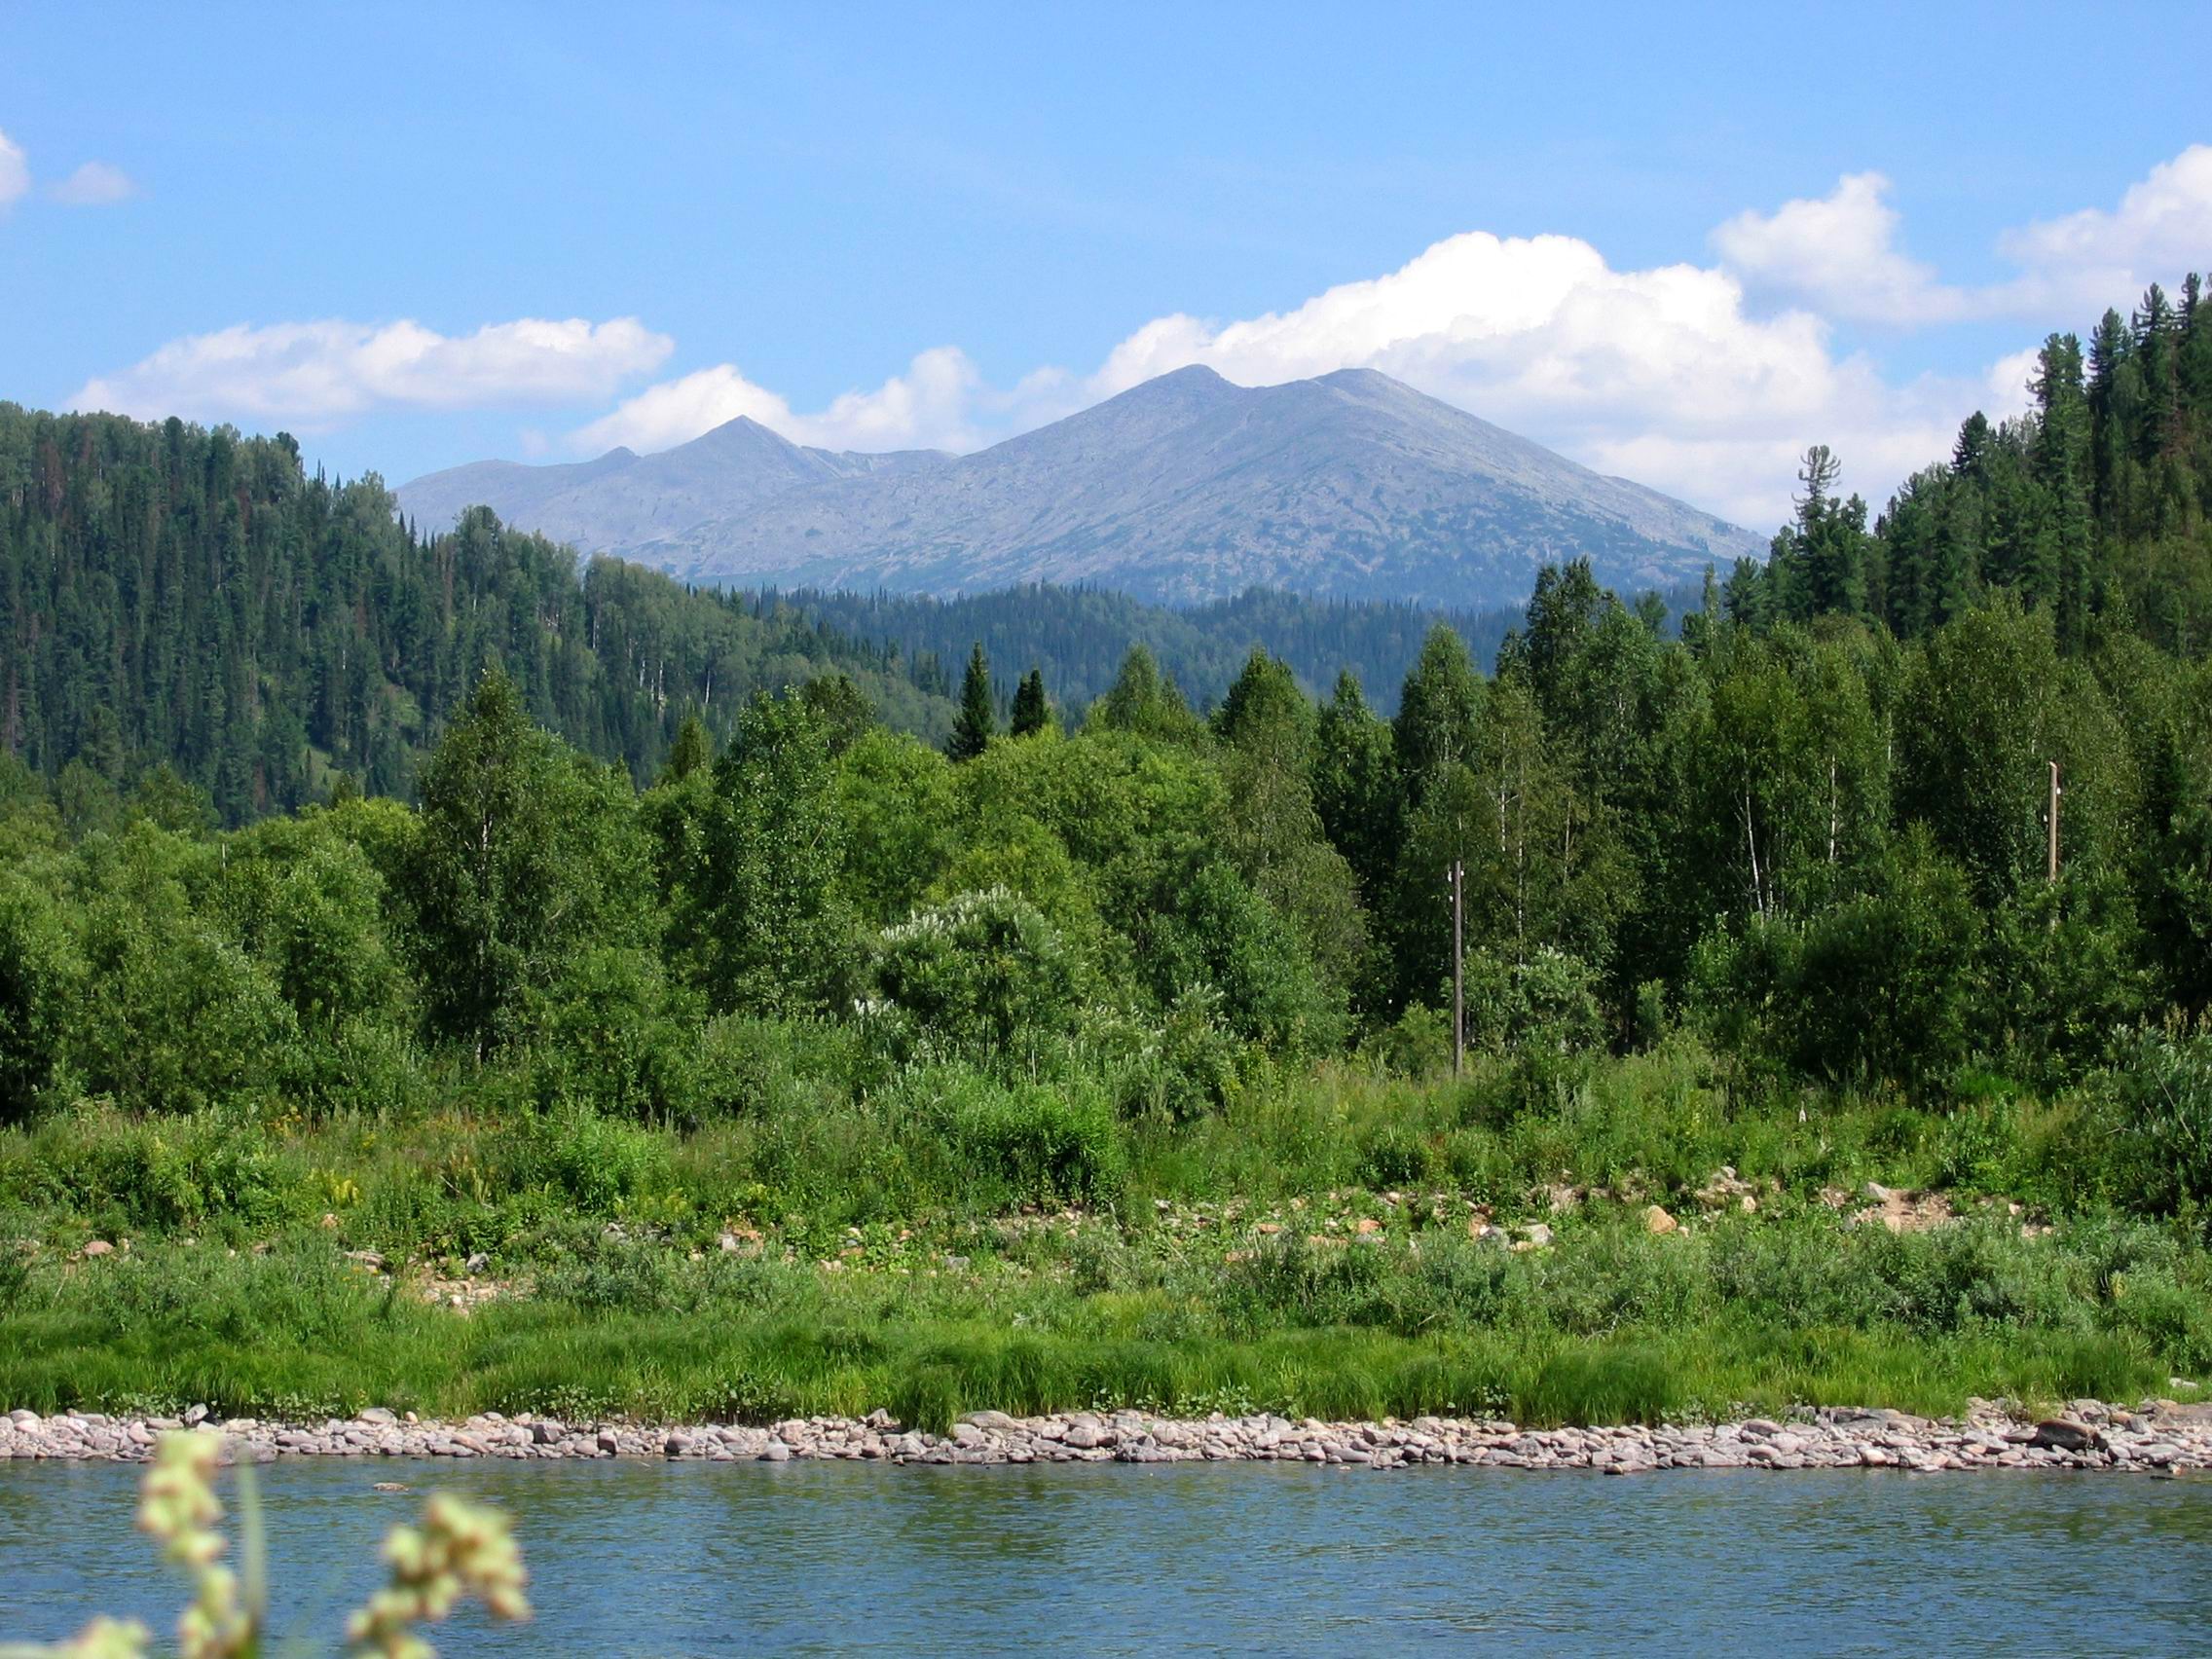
[(1077, 638), (173, 595), (2092, 508)]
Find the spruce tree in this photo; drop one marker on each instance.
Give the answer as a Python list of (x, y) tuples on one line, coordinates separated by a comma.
[(1032, 711), (976, 723)]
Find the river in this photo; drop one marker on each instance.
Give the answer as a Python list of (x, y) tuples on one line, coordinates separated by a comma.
[(648, 1559)]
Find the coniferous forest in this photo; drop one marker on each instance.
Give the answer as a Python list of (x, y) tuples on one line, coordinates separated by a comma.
[(191, 598), (476, 910)]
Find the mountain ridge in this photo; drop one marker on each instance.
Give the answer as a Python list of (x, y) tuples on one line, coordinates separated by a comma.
[(1184, 488)]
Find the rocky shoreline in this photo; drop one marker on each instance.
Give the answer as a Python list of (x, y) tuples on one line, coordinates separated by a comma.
[(2157, 1438)]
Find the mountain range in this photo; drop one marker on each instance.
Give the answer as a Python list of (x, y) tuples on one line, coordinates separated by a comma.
[(1183, 490)]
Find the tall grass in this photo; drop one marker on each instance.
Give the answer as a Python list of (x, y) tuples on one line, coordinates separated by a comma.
[(1020, 1245), (1609, 1325)]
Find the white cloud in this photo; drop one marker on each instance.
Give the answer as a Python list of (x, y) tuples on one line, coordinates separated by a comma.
[(2093, 259), (1839, 251), (1704, 381), (1660, 375), (15, 170), (96, 184), (676, 411), (1840, 254), (312, 373), (938, 403)]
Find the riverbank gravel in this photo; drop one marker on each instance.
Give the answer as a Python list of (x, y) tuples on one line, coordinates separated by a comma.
[(2157, 1437)]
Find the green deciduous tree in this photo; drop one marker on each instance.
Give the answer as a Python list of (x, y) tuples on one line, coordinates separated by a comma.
[(761, 925), (526, 849)]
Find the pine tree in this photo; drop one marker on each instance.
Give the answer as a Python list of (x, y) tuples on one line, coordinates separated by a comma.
[(1828, 542), (1146, 701), (977, 721), (1032, 710)]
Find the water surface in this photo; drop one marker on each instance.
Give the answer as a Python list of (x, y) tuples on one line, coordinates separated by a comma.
[(651, 1558)]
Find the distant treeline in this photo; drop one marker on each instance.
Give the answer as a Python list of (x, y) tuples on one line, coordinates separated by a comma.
[(1077, 638)]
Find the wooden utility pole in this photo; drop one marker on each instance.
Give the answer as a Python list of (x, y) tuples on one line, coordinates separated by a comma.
[(1458, 968), (2055, 793)]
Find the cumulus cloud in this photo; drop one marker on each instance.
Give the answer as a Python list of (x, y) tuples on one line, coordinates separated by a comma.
[(1662, 375), (1840, 251), (310, 374), (2096, 258), (676, 411), (96, 184), (941, 402), (1704, 381), (15, 170)]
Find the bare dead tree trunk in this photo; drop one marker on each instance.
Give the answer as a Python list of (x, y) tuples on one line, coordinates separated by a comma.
[(1752, 842), (1458, 968), (1832, 809)]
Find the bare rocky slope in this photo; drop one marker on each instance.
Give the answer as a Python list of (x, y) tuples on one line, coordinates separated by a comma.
[(1183, 490)]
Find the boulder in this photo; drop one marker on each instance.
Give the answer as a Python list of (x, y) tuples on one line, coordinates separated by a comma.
[(2064, 1434)]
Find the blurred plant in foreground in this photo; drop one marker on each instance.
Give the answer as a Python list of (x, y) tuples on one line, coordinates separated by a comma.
[(461, 1549)]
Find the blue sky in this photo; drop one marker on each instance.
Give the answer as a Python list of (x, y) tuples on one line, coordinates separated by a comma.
[(878, 226)]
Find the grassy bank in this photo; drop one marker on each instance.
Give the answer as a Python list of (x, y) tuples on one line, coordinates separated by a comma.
[(1341, 1243)]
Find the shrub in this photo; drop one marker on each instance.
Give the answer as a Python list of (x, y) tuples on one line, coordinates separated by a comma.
[(2159, 1112), (41, 972), (613, 1035), (982, 975), (768, 1068), (1548, 1002), (118, 1173), (1392, 1154), (596, 1164), (1224, 936), (1882, 985), (1039, 1141)]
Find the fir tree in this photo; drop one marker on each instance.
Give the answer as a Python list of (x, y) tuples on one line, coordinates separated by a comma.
[(977, 721), (1032, 710)]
